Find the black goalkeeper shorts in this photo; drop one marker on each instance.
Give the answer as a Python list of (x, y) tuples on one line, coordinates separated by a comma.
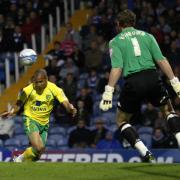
[(144, 86)]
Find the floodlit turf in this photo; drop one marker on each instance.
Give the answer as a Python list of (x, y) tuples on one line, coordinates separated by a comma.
[(87, 171)]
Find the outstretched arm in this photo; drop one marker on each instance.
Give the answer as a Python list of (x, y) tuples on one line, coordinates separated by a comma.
[(16, 108), (69, 108), (167, 70), (13, 110)]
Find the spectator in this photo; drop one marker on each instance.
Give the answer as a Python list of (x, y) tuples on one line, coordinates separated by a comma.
[(92, 80), (52, 78), (93, 56), (17, 39), (52, 68), (102, 44), (20, 16), (69, 86), (149, 115), (69, 67), (108, 142), (56, 52), (158, 139), (91, 35), (82, 112), (80, 137), (99, 132), (160, 122), (78, 58), (68, 45), (88, 100), (102, 82), (6, 128), (2, 21), (72, 33)]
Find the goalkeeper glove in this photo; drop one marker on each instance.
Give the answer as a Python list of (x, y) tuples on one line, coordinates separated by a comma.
[(176, 85), (106, 102)]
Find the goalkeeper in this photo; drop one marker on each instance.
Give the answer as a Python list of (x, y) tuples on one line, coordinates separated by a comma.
[(36, 100), (134, 54)]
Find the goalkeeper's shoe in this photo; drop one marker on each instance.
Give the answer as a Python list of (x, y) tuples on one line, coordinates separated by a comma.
[(148, 157)]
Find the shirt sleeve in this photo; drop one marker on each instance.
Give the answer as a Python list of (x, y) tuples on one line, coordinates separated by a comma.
[(22, 95), (115, 55), (59, 94), (155, 50)]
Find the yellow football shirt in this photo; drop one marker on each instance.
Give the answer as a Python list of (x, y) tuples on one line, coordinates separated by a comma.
[(38, 107)]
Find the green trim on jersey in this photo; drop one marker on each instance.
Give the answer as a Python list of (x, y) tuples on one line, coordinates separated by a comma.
[(134, 50), (31, 125)]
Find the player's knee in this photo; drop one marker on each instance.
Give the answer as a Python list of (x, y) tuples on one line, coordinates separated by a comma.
[(173, 122), (122, 118), (129, 133)]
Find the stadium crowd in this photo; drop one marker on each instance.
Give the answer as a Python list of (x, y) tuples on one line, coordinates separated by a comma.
[(80, 65)]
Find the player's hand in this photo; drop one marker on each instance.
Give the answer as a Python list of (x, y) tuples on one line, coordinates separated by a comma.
[(106, 102), (7, 113), (176, 85), (73, 111)]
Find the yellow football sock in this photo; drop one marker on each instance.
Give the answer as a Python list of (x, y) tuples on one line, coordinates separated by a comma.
[(30, 154)]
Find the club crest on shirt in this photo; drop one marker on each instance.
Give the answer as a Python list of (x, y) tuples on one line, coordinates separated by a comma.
[(48, 97)]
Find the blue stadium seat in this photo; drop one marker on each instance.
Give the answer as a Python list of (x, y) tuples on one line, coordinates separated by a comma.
[(1, 143), (80, 83), (18, 119), (109, 117), (113, 127), (61, 142), (12, 148), (2, 75), (145, 130), (147, 139), (51, 142), (70, 129), (96, 110), (21, 137), (25, 143), (57, 130), (12, 142), (18, 126), (56, 137), (19, 130), (65, 147)]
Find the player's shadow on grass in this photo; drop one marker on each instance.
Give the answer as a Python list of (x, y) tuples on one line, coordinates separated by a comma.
[(147, 170)]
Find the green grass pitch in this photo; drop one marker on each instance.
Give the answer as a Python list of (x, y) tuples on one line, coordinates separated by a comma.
[(88, 171)]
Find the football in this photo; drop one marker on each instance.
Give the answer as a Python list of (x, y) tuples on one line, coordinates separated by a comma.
[(27, 57)]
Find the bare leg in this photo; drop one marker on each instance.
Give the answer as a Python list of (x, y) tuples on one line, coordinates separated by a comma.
[(34, 152)]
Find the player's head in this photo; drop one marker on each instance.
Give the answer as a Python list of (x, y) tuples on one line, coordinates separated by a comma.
[(126, 18), (40, 80)]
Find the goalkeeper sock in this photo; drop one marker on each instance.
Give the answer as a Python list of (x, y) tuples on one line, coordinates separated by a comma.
[(139, 145), (30, 154), (177, 135), (174, 125), (129, 133)]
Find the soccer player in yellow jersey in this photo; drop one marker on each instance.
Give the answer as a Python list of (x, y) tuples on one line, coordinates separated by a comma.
[(36, 100)]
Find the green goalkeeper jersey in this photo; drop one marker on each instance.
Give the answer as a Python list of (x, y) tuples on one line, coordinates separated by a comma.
[(133, 51)]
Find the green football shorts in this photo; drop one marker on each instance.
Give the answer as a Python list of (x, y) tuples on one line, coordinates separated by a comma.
[(31, 125)]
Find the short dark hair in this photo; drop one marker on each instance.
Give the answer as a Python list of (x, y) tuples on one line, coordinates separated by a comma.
[(127, 18), (41, 72)]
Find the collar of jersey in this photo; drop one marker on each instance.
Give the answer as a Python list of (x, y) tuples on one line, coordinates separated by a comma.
[(127, 29)]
